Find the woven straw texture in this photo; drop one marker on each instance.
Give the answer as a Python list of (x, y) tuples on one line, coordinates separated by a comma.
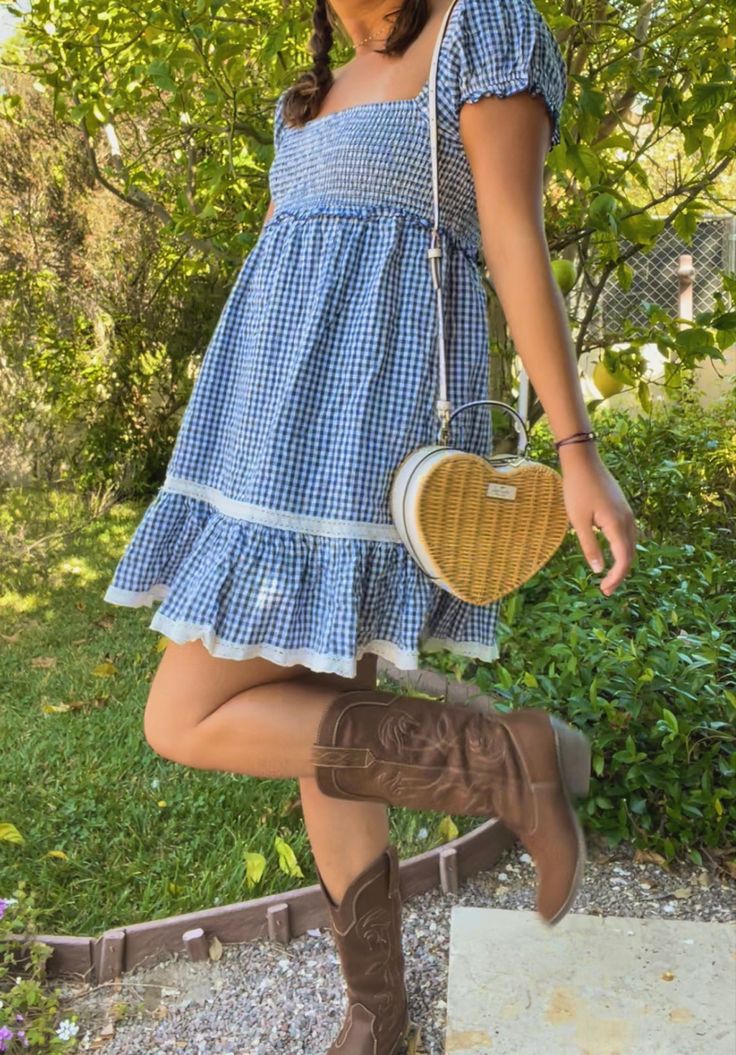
[(486, 546)]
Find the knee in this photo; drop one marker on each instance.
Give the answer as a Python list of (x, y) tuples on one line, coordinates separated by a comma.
[(166, 739)]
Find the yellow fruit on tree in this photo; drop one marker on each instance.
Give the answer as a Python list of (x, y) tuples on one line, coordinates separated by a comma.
[(565, 274), (608, 384)]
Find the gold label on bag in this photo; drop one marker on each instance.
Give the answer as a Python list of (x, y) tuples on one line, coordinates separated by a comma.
[(507, 491)]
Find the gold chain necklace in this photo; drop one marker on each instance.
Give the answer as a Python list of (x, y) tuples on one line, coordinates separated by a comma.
[(363, 41)]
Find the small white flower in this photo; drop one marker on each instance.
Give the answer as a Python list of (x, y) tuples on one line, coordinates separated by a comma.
[(67, 1029), (422, 833), (155, 783), (525, 858)]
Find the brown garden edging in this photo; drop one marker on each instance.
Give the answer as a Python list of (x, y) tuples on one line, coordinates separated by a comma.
[(278, 917)]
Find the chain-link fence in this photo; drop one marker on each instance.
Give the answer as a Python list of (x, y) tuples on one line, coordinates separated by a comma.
[(680, 278), (657, 273)]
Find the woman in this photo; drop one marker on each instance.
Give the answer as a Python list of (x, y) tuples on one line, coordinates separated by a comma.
[(271, 544)]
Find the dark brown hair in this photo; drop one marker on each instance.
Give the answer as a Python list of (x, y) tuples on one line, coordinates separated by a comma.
[(304, 98)]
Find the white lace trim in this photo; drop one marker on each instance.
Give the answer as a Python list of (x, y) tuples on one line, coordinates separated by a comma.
[(181, 632), (136, 598), (279, 518), (473, 649)]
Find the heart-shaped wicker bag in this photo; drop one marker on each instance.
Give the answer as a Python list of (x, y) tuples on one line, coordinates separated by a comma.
[(478, 525)]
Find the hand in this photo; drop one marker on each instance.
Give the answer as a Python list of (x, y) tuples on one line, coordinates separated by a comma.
[(594, 499)]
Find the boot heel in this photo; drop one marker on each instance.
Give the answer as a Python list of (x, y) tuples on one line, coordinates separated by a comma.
[(573, 752)]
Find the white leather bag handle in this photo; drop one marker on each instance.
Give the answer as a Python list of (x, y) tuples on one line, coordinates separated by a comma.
[(434, 253)]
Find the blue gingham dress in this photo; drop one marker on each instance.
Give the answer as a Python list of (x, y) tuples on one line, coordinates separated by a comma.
[(271, 535)]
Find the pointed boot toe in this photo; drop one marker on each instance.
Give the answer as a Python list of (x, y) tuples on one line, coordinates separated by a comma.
[(557, 764)]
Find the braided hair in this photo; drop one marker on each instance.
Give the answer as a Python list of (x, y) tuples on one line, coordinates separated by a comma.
[(303, 100)]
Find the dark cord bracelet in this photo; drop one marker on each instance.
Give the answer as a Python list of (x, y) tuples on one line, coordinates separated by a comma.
[(577, 437)]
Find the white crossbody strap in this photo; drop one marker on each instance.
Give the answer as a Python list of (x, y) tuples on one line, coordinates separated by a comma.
[(434, 253)]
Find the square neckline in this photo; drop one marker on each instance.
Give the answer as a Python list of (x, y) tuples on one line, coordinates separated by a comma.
[(413, 101)]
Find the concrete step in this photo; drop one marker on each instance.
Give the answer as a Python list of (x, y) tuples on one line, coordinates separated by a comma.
[(592, 985)]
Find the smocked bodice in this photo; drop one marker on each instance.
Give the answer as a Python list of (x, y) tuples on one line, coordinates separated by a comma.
[(374, 157)]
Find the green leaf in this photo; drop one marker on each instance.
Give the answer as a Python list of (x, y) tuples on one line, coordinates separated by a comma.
[(727, 139), (9, 833), (643, 395), (642, 229), (287, 858), (447, 828), (226, 51), (669, 720), (160, 74), (726, 321), (584, 163), (693, 341), (711, 99), (624, 275), (255, 865)]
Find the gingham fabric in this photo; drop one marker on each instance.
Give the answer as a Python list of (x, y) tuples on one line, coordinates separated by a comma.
[(272, 535)]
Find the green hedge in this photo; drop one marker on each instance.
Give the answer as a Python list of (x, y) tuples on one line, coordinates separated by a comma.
[(648, 673)]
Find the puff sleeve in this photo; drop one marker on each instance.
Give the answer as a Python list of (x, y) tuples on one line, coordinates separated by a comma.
[(507, 47)]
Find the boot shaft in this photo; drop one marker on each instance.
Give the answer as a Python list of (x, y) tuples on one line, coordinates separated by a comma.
[(366, 928), (424, 754)]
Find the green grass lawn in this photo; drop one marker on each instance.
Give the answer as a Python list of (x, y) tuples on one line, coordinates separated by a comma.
[(111, 832)]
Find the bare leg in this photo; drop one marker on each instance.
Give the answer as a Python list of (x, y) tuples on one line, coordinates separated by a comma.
[(345, 836), (260, 719), (264, 731)]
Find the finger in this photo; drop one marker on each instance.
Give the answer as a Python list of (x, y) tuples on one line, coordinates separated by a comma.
[(627, 527), (634, 538), (620, 542), (589, 544)]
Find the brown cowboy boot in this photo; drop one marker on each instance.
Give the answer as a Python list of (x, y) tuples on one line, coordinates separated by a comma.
[(366, 927), (522, 767)]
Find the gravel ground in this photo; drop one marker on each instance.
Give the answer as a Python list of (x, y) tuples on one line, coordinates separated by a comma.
[(261, 998)]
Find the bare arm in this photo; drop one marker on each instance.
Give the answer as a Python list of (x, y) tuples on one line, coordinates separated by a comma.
[(269, 214), (505, 141)]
